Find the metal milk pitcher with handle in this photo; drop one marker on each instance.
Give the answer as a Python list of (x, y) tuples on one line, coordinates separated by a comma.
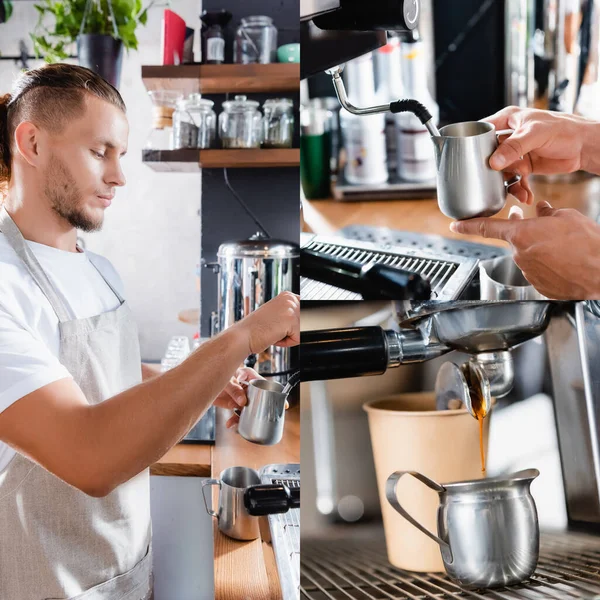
[(488, 529), (467, 186)]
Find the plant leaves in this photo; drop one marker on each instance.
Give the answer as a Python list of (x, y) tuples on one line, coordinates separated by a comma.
[(50, 43)]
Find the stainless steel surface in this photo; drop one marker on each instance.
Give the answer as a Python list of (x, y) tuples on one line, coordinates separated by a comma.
[(263, 418), (233, 519), (414, 348), (285, 530), (340, 90), (487, 529), (453, 383), (353, 567), (499, 369), (386, 238), (447, 274), (312, 8), (475, 327), (501, 279), (467, 186), (252, 272), (573, 339)]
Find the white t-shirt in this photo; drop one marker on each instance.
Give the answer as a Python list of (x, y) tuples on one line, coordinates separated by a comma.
[(29, 337)]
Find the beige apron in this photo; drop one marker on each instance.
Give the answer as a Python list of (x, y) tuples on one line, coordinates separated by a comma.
[(55, 541)]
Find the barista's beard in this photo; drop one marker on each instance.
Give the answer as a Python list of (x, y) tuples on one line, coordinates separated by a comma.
[(65, 199)]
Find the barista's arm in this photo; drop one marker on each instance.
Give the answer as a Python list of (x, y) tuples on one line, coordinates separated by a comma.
[(96, 448)]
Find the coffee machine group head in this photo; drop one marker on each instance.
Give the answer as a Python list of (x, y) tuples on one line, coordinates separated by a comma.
[(333, 32)]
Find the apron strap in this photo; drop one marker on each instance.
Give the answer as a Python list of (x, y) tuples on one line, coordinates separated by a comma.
[(114, 291), (18, 244)]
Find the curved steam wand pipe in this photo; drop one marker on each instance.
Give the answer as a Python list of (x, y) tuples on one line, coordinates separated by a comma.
[(418, 109)]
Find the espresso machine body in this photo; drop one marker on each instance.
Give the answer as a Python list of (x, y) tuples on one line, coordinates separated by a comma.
[(573, 339), (252, 272)]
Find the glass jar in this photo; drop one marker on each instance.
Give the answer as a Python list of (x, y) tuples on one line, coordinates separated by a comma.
[(255, 41), (278, 123), (161, 135), (213, 37), (240, 124), (194, 123)]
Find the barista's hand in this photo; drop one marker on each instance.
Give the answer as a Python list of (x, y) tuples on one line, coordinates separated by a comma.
[(234, 395), (543, 142), (558, 251), (275, 323)]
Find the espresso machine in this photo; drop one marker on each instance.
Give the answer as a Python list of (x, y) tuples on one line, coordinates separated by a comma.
[(252, 272), (487, 333)]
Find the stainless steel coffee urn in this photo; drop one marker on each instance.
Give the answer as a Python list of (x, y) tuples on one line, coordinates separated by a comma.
[(252, 272)]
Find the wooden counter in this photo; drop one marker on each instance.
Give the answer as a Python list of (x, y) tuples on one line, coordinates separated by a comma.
[(326, 217), (242, 569), (247, 569), (185, 460)]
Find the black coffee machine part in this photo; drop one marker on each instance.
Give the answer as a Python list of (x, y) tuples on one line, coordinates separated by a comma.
[(262, 500), (373, 281), (344, 352)]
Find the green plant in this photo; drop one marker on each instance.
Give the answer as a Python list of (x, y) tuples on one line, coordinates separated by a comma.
[(6, 9), (68, 15)]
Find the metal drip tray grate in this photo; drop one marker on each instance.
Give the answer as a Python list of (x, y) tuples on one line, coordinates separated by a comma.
[(447, 274), (569, 567), (285, 531)]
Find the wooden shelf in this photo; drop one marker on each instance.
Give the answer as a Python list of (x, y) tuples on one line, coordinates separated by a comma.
[(223, 79), (191, 160)]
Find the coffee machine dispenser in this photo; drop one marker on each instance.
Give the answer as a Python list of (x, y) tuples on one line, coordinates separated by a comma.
[(483, 329), (252, 272)]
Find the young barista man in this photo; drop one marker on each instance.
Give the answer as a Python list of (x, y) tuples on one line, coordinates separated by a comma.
[(78, 429)]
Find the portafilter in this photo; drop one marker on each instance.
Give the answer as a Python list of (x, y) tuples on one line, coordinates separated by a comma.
[(486, 330)]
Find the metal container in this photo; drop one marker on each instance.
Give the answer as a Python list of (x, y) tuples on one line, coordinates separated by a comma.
[(243, 498), (467, 186), (255, 41), (194, 123), (278, 123), (232, 516), (240, 124), (488, 529), (501, 279), (252, 272), (263, 418)]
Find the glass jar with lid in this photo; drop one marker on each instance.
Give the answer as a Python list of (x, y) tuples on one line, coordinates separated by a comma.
[(255, 41), (194, 123), (240, 124), (161, 135), (278, 123)]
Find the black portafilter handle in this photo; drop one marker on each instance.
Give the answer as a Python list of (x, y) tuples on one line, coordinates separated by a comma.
[(270, 499), (413, 106), (373, 281), (339, 353)]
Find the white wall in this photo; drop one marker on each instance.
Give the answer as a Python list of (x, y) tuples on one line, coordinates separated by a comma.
[(152, 230)]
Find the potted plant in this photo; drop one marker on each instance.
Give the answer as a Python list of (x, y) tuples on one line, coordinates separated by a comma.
[(101, 28), (6, 9)]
